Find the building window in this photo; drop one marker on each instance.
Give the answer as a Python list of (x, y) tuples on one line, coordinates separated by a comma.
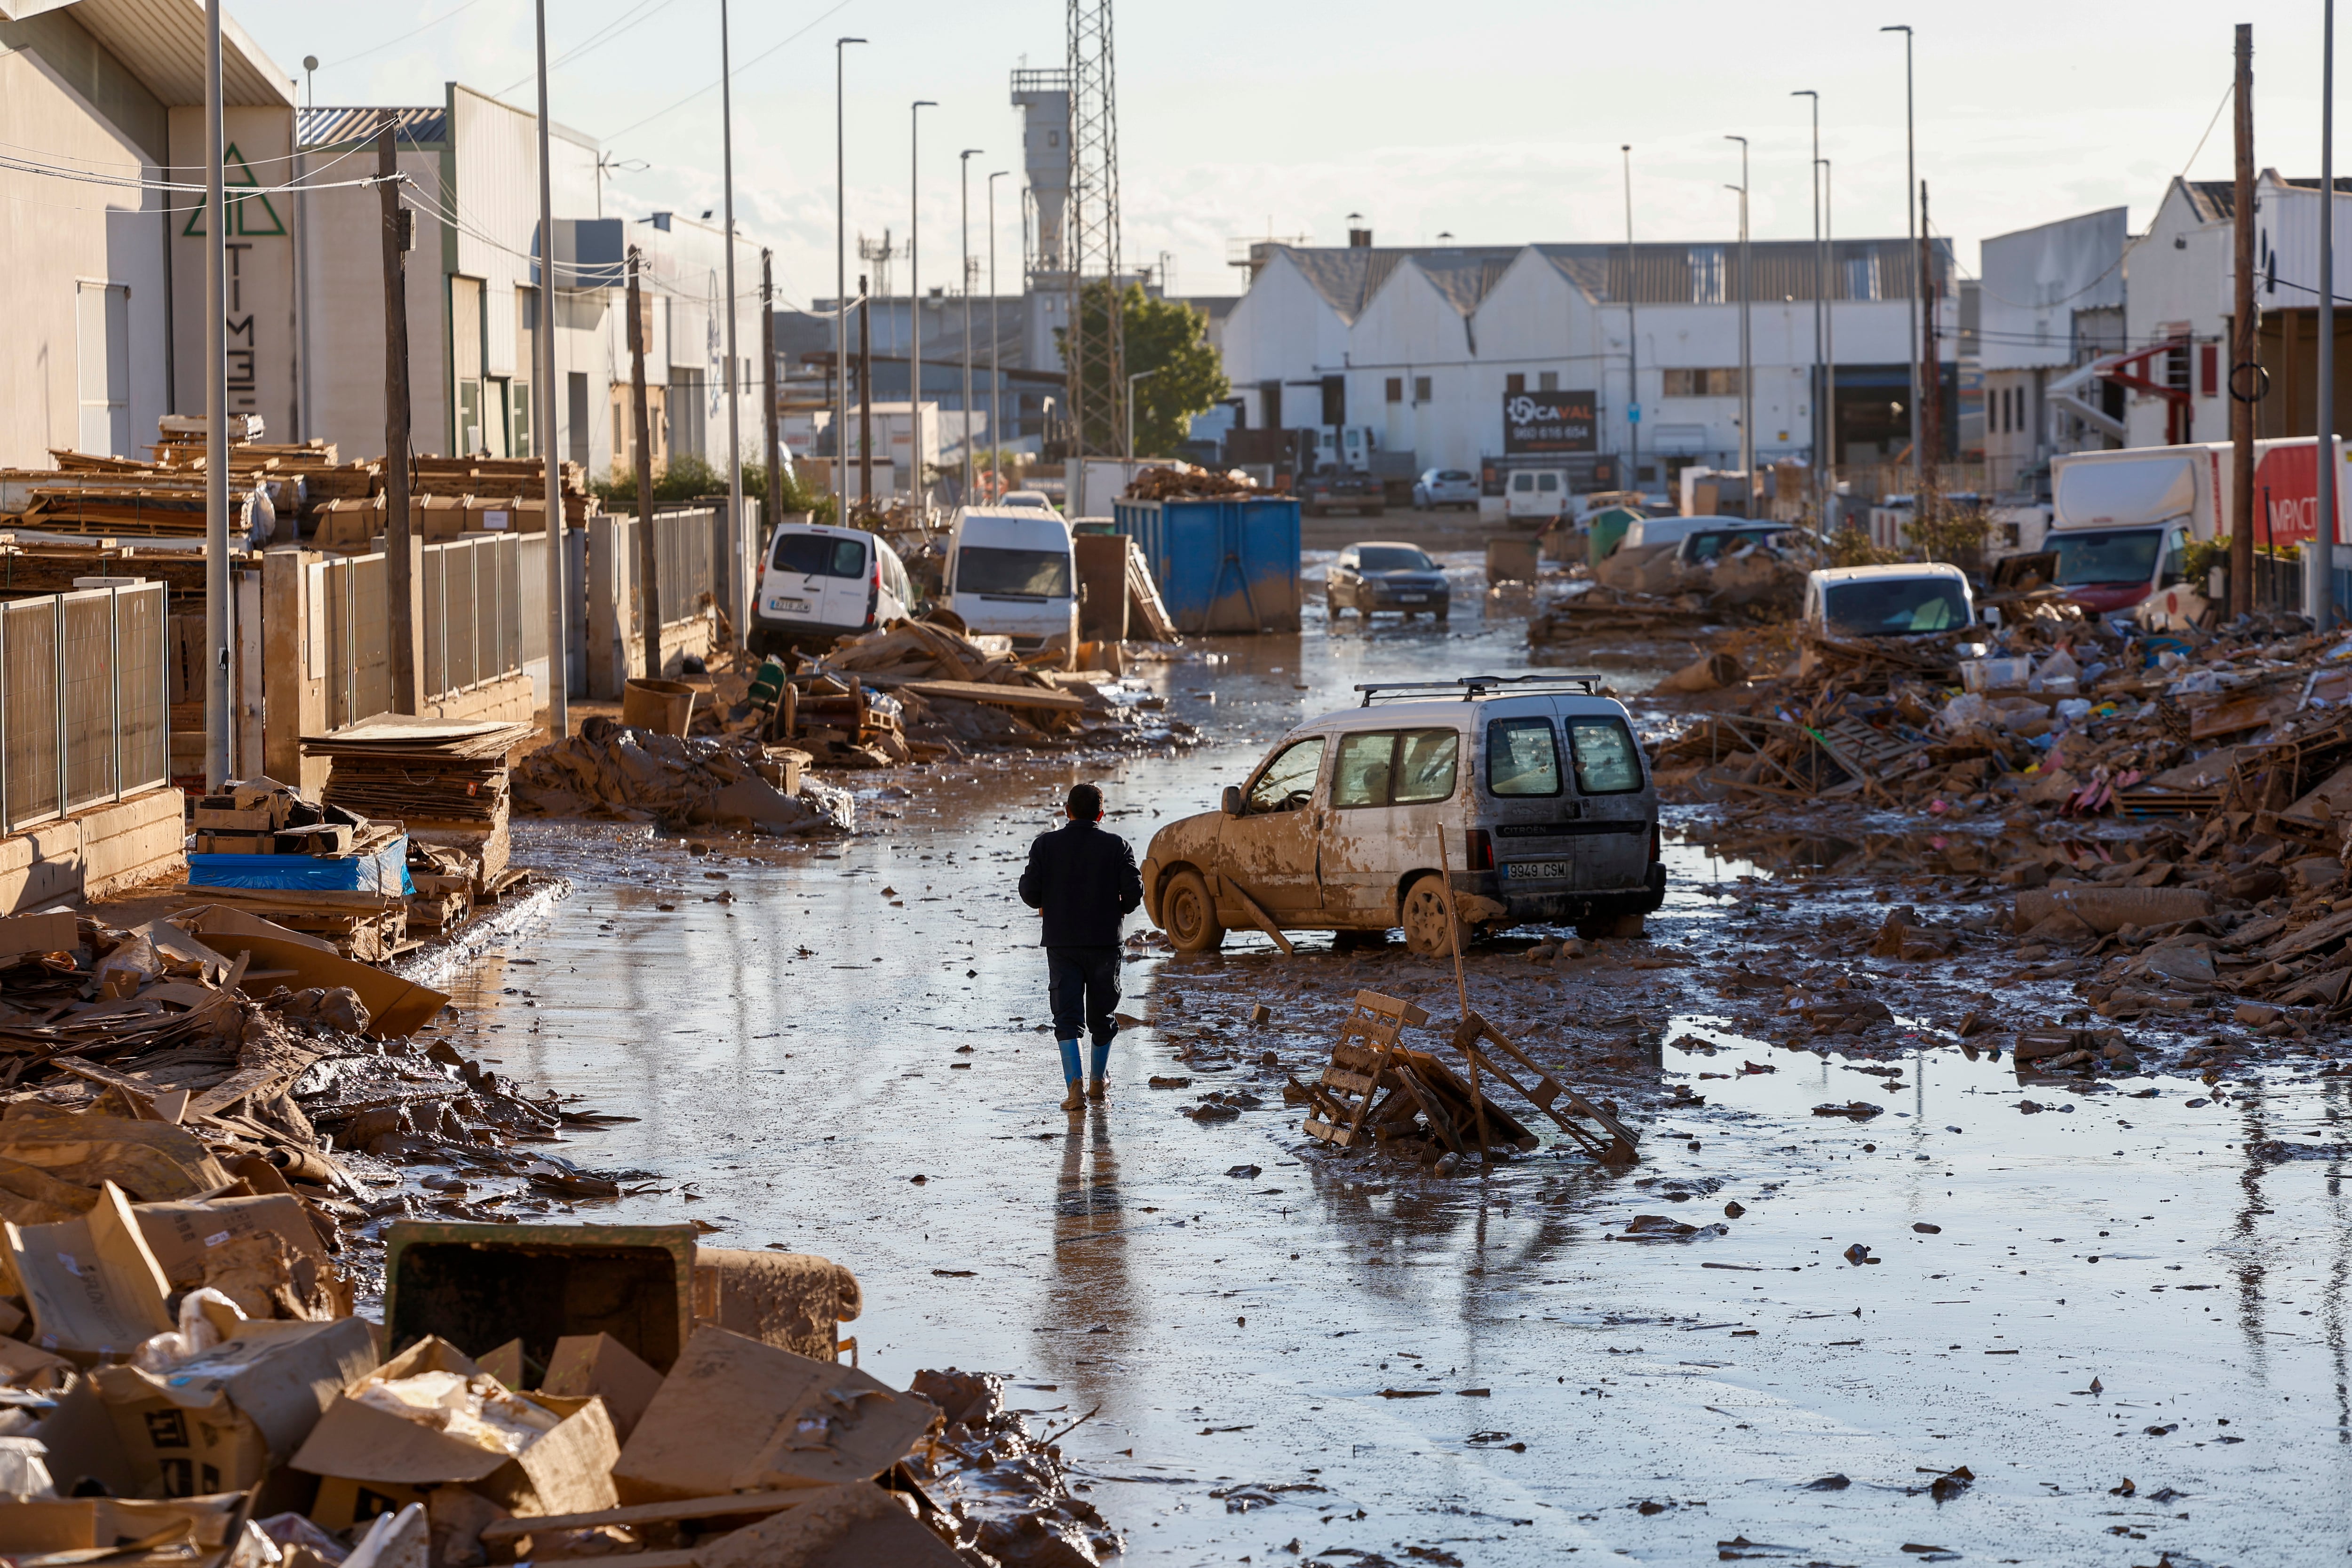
[(1548, 380), (1514, 384), (1707, 274), (1421, 389), (1396, 389), (1701, 382)]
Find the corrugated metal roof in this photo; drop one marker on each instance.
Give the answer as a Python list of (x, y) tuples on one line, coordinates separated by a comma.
[(336, 127), (161, 42)]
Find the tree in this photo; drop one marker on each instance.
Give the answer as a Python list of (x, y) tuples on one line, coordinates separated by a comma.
[(1168, 338)]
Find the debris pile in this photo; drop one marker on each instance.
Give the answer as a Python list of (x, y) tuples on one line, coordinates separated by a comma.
[(619, 774), (447, 781), (1182, 481)]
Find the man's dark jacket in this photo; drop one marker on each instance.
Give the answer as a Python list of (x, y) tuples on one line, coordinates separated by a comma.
[(1085, 881)]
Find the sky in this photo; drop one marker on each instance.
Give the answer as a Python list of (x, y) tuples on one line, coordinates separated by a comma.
[(1496, 123)]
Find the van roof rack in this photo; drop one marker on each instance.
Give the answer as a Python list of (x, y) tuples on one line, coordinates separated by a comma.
[(1470, 687)]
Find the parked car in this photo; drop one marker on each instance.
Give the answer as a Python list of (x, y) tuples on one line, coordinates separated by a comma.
[(1341, 490), (1534, 497), (819, 583), (1446, 487), (1706, 544), (1037, 500), (1648, 530), (1377, 575), (1011, 571), (1888, 601), (1529, 793)]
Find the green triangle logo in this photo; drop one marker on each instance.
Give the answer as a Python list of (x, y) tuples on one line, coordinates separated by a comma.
[(249, 216)]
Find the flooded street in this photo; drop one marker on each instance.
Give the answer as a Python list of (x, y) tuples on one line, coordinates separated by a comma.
[(2121, 1313)]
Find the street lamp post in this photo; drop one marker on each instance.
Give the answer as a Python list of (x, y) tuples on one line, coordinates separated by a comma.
[(1633, 343), (1911, 232), (995, 365), (1829, 361), (739, 596), (1747, 355), (963, 181), (915, 297), (1132, 380), (840, 295), (1820, 492), (2320, 592)]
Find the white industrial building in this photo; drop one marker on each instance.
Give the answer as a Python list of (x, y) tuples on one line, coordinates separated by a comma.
[(2051, 303), (1423, 345)]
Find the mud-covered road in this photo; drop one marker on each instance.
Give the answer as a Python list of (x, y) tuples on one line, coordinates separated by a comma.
[(2124, 1324)]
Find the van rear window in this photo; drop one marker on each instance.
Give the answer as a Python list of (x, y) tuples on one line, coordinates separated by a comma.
[(1606, 762), (1522, 757), (816, 556), (1030, 574)]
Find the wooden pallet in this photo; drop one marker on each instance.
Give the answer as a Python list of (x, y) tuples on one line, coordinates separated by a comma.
[(1362, 1069), (1547, 1094)]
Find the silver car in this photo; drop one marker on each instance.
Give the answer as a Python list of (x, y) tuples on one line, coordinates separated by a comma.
[(1528, 794), (1446, 487)]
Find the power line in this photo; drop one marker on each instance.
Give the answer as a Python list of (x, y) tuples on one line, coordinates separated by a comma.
[(739, 70), (402, 38), (604, 35)]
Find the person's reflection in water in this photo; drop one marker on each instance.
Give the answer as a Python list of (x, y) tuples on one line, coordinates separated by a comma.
[(1092, 1310)]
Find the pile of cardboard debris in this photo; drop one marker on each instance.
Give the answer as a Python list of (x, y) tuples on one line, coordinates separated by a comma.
[(1647, 590), (621, 774)]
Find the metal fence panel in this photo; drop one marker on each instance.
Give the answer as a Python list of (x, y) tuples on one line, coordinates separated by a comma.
[(435, 592), (29, 649), (86, 716), (142, 694), (531, 595)]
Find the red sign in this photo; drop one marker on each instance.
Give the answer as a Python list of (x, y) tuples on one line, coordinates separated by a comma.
[(2286, 493)]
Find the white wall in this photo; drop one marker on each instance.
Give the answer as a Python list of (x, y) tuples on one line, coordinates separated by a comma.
[(342, 265), (1283, 330), (2180, 275), (54, 232)]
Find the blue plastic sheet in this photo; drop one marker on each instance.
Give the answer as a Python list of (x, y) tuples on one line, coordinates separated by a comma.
[(384, 871)]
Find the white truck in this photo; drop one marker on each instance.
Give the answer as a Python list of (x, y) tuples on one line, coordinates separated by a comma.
[(2121, 522)]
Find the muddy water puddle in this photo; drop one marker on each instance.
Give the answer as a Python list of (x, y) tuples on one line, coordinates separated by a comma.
[(840, 1050)]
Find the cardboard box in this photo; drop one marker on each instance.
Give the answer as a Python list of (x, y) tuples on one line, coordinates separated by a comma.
[(212, 843), (228, 819), (220, 1420), (182, 1235), (599, 1364), (437, 518), (348, 524), (737, 1415), (57, 932), (357, 1448), (94, 1287), (324, 838), (80, 1524)]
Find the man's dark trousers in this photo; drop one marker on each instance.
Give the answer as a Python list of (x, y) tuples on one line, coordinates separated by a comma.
[(1083, 984)]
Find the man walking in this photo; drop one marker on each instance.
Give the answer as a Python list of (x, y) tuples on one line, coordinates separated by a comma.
[(1085, 881)]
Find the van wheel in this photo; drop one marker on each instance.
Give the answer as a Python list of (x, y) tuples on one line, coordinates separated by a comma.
[(1425, 912), (1190, 916)]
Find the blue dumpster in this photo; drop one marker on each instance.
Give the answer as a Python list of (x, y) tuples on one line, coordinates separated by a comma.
[(1222, 565)]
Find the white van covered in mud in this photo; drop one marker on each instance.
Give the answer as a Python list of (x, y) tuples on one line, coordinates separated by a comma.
[(1900, 600), (820, 584), (1529, 793), (1011, 571)]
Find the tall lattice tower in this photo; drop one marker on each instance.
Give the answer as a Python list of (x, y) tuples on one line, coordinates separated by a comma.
[(1096, 359)]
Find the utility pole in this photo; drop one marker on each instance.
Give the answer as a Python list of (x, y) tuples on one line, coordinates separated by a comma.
[(963, 180), (1821, 273), (995, 362), (738, 597), (2242, 340), (914, 298), (220, 722), (840, 302), (2319, 584), (1747, 342), (1931, 376), (1632, 342), (864, 395), (648, 557), (399, 580), (559, 653), (1911, 226), (774, 445)]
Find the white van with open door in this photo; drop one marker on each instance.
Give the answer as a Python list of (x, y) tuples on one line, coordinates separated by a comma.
[(820, 584), (1011, 571)]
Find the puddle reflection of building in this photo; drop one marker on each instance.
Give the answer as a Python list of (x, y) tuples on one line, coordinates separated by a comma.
[(1094, 1308)]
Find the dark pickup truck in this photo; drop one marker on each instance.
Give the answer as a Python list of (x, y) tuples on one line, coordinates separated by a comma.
[(1341, 490)]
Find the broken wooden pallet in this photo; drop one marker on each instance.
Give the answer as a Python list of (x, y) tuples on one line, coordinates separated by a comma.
[(1371, 1028), (1547, 1094)]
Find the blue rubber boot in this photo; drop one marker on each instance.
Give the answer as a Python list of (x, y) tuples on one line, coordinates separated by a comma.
[(1101, 1084), (1075, 1098)]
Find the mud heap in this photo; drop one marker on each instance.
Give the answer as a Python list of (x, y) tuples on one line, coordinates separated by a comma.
[(618, 773), (2177, 804)]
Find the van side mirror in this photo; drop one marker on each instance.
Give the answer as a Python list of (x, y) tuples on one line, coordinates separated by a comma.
[(1232, 803)]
